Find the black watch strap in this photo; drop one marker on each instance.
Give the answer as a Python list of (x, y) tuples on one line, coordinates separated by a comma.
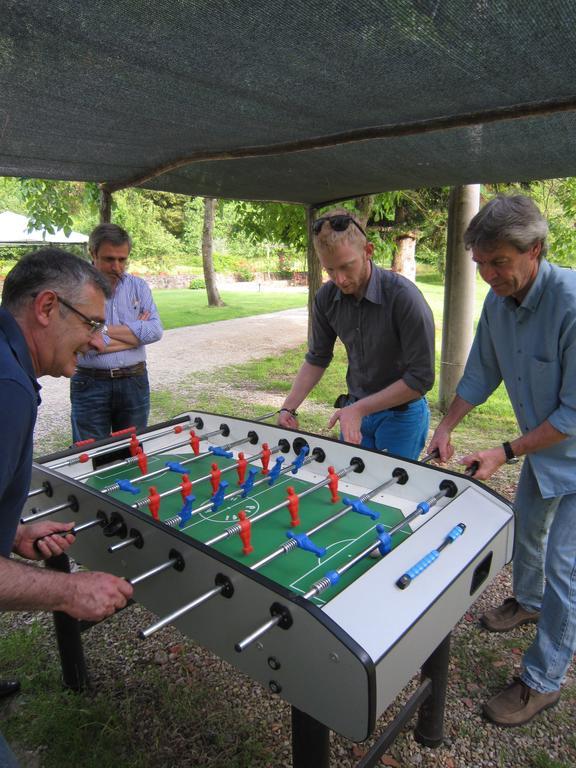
[(508, 450)]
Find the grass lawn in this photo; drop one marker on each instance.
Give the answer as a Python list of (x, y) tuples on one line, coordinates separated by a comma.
[(274, 375), (179, 308)]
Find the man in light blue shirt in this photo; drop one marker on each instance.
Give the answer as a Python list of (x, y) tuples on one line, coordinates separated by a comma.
[(110, 389), (526, 337)]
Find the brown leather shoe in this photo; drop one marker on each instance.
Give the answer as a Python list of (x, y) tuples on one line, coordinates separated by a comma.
[(518, 703), (508, 616)]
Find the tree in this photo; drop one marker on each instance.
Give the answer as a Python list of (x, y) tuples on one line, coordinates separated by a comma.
[(214, 299)]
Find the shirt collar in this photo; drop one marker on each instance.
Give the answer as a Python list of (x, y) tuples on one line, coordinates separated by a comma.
[(17, 344), (373, 290), (532, 298)]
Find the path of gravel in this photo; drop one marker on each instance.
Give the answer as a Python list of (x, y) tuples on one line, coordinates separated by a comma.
[(184, 352), (480, 661)]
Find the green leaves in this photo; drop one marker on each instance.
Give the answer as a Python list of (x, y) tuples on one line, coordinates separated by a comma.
[(47, 204)]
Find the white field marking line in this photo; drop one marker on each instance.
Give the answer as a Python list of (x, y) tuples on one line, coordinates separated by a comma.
[(322, 563), (233, 505), (317, 599), (209, 518)]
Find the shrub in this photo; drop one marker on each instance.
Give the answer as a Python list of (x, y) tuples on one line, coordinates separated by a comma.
[(243, 274), (197, 284)]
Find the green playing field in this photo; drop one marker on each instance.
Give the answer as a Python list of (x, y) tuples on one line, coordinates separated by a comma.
[(297, 570)]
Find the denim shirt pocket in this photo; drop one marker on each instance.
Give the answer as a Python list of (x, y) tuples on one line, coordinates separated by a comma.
[(545, 377)]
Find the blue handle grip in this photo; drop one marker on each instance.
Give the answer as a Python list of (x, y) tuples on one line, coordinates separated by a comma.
[(428, 559)]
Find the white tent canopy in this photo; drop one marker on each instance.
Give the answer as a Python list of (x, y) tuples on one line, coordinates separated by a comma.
[(14, 231)]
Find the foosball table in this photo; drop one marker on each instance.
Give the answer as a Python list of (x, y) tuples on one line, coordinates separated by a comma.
[(329, 573)]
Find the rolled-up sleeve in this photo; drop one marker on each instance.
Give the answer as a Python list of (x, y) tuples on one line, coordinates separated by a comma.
[(150, 330), (482, 374), (323, 336), (563, 418), (416, 333)]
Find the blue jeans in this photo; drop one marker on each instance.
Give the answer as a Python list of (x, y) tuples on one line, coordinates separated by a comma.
[(7, 758), (102, 406), (403, 433), (544, 571)]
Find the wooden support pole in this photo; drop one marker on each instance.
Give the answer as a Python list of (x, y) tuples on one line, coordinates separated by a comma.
[(314, 268), (459, 289)]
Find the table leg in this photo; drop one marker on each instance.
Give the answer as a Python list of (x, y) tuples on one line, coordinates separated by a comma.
[(310, 742), (429, 730), (74, 672)]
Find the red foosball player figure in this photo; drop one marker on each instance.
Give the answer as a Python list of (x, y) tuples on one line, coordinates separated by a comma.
[(241, 468), (293, 505), (142, 460), (185, 487), (333, 484), (245, 526), (194, 442), (134, 445), (266, 453), (215, 474), (154, 502)]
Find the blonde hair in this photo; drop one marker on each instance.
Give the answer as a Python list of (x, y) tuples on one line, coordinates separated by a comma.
[(328, 239)]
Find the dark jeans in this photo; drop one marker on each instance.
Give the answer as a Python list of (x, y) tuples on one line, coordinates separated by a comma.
[(102, 406), (7, 757), (401, 432)]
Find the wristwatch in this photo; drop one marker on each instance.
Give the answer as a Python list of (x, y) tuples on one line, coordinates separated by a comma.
[(511, 458)]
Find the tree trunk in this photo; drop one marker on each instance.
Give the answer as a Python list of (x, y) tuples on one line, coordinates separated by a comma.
[(214, 299), (364, 208), (314, 268), (105, 207), (459, 287), (404, 259)]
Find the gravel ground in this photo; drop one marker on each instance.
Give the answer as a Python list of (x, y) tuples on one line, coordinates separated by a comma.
[(480, 662), (174, 361)]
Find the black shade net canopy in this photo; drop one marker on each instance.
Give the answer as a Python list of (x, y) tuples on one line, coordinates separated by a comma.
[(302, 101)]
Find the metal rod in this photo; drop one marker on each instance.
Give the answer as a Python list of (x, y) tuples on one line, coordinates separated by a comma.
[(36, 492), (184, 462), (234, 494), (266, 416), (144, 633), (132, 460), (176, 519), (123, 544), (257, 633), (153, 571), (86, 526), (119, 444), (45, 512), (234, 529), (421, 509), (291, 544)]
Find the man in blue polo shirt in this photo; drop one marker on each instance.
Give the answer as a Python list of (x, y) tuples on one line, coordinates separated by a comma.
[(527, 338), (52, 310), (387, 329)]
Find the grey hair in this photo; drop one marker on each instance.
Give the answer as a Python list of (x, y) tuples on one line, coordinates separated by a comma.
[(109, 233), (49, 269), (514, 219)]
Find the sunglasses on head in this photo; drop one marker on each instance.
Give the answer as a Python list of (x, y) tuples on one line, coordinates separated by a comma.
[(339, 223)]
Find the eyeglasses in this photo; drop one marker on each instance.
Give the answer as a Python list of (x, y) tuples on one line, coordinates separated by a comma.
[(96, 326), (339, 223)]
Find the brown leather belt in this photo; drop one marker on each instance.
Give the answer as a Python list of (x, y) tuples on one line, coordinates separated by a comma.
[(113, 373)]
